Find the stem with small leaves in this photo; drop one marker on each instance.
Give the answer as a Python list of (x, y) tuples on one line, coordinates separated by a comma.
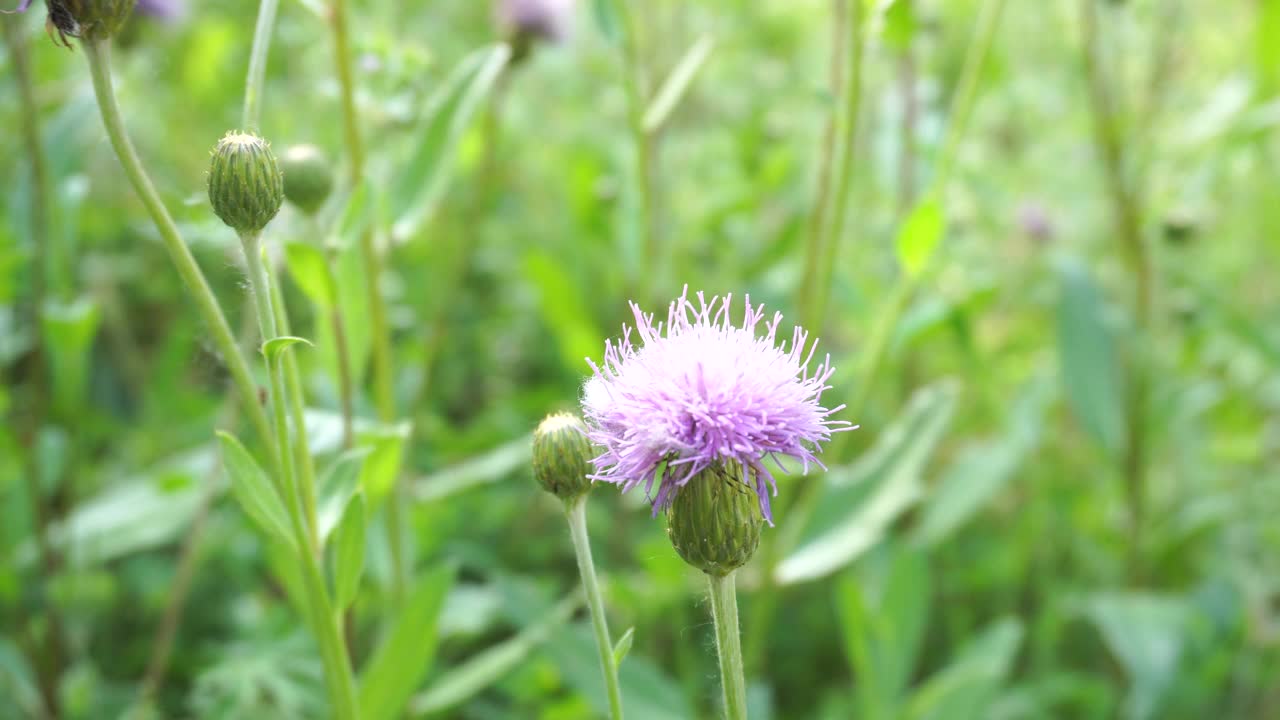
[(98, 53)]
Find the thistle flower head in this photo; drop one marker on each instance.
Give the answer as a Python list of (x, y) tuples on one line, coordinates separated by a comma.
[(530, 21), (562, 456), (700, 390), (89, 19), (246, 188), (308, 177)]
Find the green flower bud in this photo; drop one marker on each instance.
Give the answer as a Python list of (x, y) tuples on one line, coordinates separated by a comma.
[(714, 521), (308, 177), (89, 19), (562, 456), (245, 185)]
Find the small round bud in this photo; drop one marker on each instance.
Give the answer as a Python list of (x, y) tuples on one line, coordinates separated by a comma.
[(245, 185), (89, 19), (562, 456), (714, 521), (308, 177)]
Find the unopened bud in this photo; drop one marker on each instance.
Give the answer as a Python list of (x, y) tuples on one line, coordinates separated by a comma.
[(714, 521), (308, 177), (245, 185), (562, 456), (89, 19)]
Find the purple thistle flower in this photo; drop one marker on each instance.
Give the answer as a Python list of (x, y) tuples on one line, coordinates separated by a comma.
[(164, 10), (22, 6), (538, 19), (700, 391)]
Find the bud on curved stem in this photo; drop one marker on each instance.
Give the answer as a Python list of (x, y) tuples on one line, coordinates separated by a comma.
[(246, 187), (562, 456)]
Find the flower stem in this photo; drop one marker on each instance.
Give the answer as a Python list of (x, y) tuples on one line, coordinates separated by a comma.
[(98, 54), (333, 654), (576, 511), (651, 267), (306, 469), (256, 80), (832, 229), (1127, 209), (379, 331), (724, 612)]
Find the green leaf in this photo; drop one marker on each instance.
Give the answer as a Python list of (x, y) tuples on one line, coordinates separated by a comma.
[(485, 469), (983, 469), (310, 269), (1090, 366), (676, 84), (883, 609), (563, 307), (623, 646), (899, 24), (648, 692), (1145, 632), (353, 298), (253, 490), (487, 667), (337, 486), (357, 216), (273, 347), (965, 689), (69, 329), (407, 650), (920, 235), (607, 20), (858, 503), (427, 169), (382, 466), (348, 553)]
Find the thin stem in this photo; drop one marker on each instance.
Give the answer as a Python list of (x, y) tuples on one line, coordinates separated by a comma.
[(379, 330), (834, 232), (256, 81), (98, 54), (338, 675), (345, 385), (576, 512), (724, 612), (646, 223), (305, 464), (827, 152), (1127, 209)]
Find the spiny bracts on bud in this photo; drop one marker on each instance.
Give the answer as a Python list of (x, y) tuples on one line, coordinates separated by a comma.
[(714, 520), (89, 19), (246, 187), (562, 456), (308, 177)]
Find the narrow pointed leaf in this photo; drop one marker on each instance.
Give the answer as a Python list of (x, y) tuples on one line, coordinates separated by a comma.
[(253, 490), (677, 84), (348, 553), (623, 646)]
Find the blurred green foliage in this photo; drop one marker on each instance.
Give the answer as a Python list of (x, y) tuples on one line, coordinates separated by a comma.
[(970, 554)]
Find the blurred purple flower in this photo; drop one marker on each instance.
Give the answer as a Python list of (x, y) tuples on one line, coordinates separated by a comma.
[(23, 5), (536, 19), (1034, 221), (699, 391), (166, 10)]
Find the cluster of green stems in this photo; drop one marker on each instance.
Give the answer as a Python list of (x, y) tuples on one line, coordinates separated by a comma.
[(283, 434)]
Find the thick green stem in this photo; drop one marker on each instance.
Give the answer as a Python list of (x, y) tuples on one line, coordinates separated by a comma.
[(257, 77), (724, 611), (99, 56), (576, 511), (306, 468), (1127, 210), (324, 622)]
